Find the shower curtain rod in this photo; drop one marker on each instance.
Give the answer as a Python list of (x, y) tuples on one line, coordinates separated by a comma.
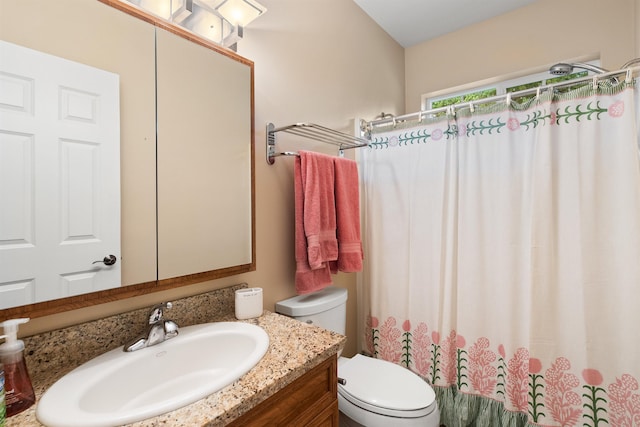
[(367, 126)]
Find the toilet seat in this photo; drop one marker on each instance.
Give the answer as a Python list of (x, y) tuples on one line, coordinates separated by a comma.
[(385, 388)]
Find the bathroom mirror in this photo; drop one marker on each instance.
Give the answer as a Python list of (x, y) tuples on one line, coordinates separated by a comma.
[(204, 168), (117, 37)]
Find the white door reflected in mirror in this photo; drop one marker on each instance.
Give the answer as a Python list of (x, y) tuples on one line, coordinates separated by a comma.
[(59, 177)]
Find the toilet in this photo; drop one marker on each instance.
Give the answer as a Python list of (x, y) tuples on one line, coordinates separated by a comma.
[(375, 393)]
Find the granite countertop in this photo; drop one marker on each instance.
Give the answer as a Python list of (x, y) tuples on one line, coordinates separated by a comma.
[(294, 348)]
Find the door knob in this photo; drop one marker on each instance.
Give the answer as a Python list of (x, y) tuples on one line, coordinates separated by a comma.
[(108, 260)]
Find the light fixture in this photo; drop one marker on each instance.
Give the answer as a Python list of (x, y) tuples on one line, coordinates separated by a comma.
[(162, 9), (182, 12), (221, 21), (208, 25), (240, 12)]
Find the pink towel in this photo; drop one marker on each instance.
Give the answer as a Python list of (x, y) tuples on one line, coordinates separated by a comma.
[(307, 280), (319, 211), (347, 217)]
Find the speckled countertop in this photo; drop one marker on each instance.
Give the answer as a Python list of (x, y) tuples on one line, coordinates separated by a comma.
[(294, 348)]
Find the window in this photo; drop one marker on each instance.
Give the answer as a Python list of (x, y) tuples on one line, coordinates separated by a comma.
[(500, 88), (466, 97)]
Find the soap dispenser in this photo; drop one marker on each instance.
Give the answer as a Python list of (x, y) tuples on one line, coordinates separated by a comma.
[(18, 391), (3, 408)]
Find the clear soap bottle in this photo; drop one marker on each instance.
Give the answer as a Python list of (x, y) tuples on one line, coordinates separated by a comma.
[(3, 408), (18, 391)]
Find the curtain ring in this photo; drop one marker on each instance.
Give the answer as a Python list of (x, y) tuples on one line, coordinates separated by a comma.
[(471, 107), (451, 111), (420, 117), (508, 101), (627, 79), (595, 83), (394, 121), (538, 93)]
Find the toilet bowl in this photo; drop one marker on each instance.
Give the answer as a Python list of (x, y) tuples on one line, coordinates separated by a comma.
[(375, 393), (378, 393)]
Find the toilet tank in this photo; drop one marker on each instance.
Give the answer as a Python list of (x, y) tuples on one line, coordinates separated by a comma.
[(326, 308)]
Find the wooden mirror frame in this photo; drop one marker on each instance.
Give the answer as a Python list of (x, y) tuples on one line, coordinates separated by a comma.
[(46, 308)]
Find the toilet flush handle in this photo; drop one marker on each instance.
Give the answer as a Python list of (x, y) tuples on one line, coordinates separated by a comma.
[(342, 381)]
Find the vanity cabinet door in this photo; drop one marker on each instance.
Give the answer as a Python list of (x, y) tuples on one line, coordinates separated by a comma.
[(311, 400), (327, 418)]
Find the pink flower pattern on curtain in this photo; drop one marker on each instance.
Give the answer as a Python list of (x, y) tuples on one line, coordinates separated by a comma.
[(563, 400), (483, 375), (529, 367)]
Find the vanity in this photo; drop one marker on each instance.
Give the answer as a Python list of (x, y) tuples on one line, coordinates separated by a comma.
[(295, 383)]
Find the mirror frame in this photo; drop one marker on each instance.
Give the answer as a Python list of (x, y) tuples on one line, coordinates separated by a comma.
[(46, 308)]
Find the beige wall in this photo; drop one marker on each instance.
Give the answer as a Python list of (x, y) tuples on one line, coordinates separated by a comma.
[(530, 38), (637, 28), (321, 61)]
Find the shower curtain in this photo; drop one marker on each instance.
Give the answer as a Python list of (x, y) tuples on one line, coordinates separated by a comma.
[(502, 261)]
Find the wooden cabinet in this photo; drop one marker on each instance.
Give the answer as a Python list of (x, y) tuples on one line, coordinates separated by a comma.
[(311, 400)]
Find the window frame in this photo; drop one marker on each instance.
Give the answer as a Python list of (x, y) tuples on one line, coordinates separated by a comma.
[(501, 85)]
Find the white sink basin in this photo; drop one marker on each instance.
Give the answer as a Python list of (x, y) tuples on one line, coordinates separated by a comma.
[(118, 388)]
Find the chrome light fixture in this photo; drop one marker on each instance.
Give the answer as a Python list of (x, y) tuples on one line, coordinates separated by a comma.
[(221, 21), (182, 12), (240, 12)]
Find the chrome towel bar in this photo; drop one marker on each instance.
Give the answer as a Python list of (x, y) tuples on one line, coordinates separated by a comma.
[(311, 131)]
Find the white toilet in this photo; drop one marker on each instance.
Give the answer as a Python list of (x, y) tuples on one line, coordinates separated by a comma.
[(376, 393)]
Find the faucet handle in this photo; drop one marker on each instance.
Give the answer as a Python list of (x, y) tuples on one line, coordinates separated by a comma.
[(170, 329), (157, 312)]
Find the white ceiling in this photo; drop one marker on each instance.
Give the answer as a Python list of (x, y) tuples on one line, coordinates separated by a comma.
[(411, 22)]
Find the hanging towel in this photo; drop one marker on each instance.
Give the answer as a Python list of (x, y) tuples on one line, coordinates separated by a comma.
[(319, 210), (347, 195), (306, 279)]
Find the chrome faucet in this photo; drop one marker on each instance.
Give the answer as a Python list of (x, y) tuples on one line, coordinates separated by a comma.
[(159, 330)]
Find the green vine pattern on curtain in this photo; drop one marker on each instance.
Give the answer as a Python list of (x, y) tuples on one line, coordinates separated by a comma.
[(491, 126)]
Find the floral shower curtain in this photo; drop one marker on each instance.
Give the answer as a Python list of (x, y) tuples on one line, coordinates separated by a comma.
[(503, 258)]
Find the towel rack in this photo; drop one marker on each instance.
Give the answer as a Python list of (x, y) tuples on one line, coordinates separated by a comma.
[(311, 131)]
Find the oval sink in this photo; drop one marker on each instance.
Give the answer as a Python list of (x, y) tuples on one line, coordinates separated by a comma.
[(118, 388)]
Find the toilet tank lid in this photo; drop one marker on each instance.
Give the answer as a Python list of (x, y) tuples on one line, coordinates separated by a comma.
[(313, 303)]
